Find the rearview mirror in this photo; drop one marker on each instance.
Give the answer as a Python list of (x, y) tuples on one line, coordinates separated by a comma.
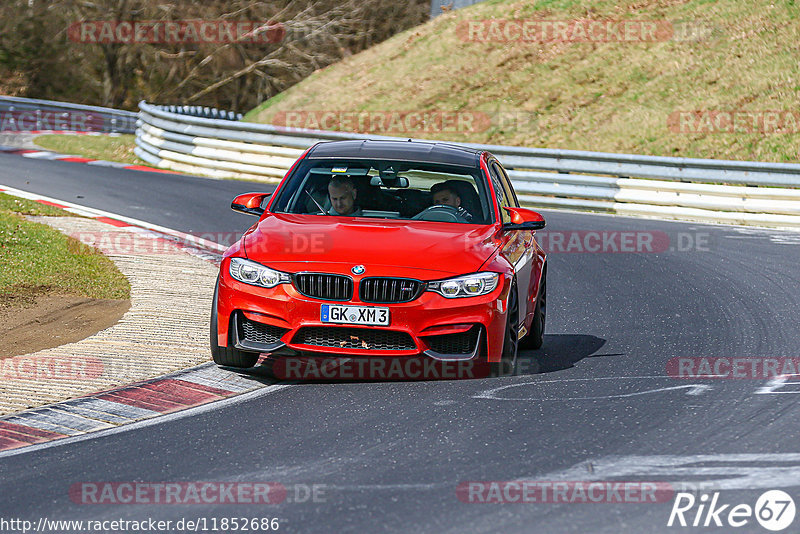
[(250, 203), (395, 181), (523, 219)]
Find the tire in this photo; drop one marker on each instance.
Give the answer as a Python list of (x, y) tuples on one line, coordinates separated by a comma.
[(227, 356), (508, 360), (535, 337)]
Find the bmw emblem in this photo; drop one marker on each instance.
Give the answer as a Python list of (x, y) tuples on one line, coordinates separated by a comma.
[(358, 269)]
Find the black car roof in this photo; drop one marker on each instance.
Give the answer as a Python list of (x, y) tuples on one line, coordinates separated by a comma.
[(418, 151)]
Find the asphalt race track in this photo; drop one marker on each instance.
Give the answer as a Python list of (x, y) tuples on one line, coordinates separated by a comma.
[(596, 403)]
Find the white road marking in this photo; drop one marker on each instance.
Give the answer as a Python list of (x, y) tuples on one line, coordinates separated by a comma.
[(779, 238), (391, 487), (774, 384), (90, 414), (41, 422), (44, 155), (492, 394), (741, 471), (74, 421), (215, 377), (114, 408), (103, 163)]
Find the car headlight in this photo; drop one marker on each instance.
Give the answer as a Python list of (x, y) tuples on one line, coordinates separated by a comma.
[(256, 274), (470, 285)]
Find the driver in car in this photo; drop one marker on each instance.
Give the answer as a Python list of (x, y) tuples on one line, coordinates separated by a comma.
[(444, 195), (342, 192)]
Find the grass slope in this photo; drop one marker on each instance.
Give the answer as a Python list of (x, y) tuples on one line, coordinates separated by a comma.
[(615, 97), (105, 147)]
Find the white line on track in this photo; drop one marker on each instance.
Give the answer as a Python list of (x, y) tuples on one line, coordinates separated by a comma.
[(491, 394), (707, 472)]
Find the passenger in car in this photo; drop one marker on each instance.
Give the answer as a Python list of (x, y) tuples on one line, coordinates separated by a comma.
[(342, 192)]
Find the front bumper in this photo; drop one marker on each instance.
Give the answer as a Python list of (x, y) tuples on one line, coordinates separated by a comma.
[(269, 320)]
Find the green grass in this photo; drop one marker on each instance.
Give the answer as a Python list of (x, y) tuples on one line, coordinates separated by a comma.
[(604, 96), (21, 206), (105, 147), (37, 259)]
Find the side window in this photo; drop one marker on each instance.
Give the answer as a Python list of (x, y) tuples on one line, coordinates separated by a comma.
[(500, 192), (510, 193)]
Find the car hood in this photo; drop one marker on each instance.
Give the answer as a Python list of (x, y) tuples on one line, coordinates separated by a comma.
[(413, 249)]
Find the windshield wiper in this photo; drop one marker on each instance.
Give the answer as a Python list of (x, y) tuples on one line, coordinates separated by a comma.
[(314, 200)]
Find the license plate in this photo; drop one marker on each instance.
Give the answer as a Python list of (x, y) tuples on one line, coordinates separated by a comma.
[(331, 313)]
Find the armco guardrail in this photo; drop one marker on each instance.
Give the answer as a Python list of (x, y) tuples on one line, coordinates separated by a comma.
[(737, 192), (26, 114), (205, 112)]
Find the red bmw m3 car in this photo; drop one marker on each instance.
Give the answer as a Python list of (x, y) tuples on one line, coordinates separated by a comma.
[(384, 249)]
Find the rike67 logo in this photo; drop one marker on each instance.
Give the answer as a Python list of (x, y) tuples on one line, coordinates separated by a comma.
[(774, 510)]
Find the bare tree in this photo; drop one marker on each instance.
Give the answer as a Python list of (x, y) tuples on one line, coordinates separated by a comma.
[(290, 40)]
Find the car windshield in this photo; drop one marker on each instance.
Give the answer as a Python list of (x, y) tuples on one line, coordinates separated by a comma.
[(385, 189)]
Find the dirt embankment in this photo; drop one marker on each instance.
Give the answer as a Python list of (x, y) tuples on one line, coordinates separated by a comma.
[(42, 320)]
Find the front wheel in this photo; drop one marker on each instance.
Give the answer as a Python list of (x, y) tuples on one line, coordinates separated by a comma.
[(535, 337), (508, 360), (228, 356)]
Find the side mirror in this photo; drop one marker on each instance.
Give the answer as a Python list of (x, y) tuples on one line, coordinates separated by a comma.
[(523, 219), (250, 203)]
